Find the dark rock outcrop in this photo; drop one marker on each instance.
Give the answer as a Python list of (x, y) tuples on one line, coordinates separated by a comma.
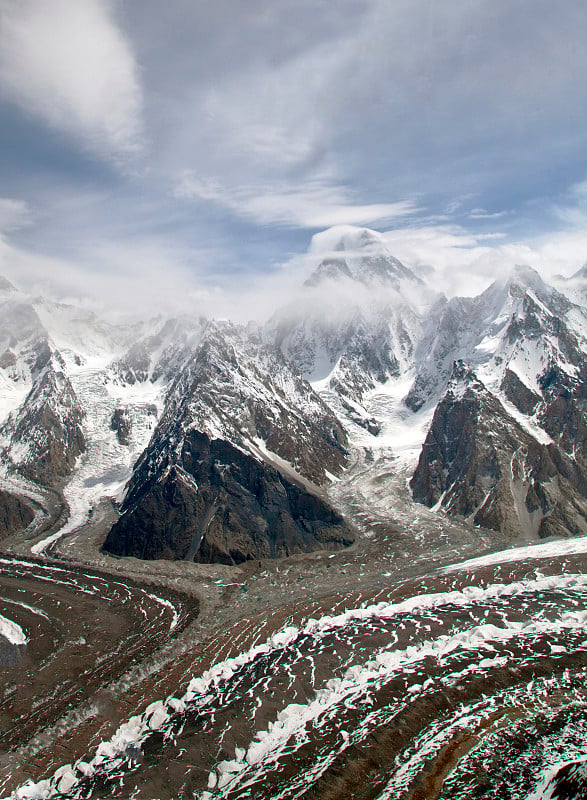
[(519, 394), (15, 514), (120, 424), (230, 471), (222, 505)]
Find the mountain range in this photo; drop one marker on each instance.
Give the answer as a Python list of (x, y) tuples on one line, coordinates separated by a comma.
[(218, 442)]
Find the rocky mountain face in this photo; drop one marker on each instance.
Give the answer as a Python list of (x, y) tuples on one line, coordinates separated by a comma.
[(15, 514), (219, 504), (41, 435), (229, 472), (479, 462), (158, 355), (506, 447), (45, 437), (518, 325)]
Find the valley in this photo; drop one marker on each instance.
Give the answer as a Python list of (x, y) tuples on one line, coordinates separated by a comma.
[(341, 554)]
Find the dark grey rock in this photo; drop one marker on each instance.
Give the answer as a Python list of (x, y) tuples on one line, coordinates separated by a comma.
[(224, 506)]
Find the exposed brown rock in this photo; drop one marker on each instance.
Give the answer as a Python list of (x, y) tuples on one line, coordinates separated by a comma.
[(479, 462), (15, 514), (222, 505), (120, 423)]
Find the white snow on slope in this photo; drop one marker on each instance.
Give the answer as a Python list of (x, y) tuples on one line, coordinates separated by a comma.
[(106, 465), (268, 745), (402, 431), (12, 395), (11, 631), (554, 549)]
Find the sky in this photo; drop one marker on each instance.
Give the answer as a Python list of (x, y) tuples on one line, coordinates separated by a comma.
[(193, 148)]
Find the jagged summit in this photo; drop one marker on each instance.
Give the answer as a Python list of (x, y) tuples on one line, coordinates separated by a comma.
[(519, 322), (485, 461), (462, 380), (525, 279)]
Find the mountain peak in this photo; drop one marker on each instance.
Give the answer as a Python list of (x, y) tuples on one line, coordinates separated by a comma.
[(367, 258), (329, 269), (581, 274), (6, 285), (346, 238), (462, 378)]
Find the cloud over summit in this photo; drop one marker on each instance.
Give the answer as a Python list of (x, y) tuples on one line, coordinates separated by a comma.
[(218, 137)]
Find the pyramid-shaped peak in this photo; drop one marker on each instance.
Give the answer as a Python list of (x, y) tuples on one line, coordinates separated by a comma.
[(329, 269), (5, 285), (581, 274), (525, 280), (528, 277), (359, 253), (347, 238)]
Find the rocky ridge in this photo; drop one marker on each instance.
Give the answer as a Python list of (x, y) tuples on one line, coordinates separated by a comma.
[(231, 469)]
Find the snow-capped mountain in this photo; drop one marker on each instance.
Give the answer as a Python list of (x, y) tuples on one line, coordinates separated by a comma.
[(58, 406), (41, 428), (575, 286), (521, 343), (516, 325), (524, 406), (226, 474), (357, 320), (220, 440)]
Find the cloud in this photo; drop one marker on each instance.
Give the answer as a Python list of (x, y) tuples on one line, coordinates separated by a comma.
[(269, 121), (14, 214), (317, 203), (459, 262), (481, 213), (141, 276), (69, 64)]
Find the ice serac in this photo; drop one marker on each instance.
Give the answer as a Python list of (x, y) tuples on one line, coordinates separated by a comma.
[(233, 468), (482, 462)]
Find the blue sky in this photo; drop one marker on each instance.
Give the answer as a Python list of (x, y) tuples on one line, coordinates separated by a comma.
[(202, 144)]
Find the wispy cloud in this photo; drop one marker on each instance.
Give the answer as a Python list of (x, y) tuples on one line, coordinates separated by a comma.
[(68, 63), (481, 213), (316, 203), (268, 121)]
